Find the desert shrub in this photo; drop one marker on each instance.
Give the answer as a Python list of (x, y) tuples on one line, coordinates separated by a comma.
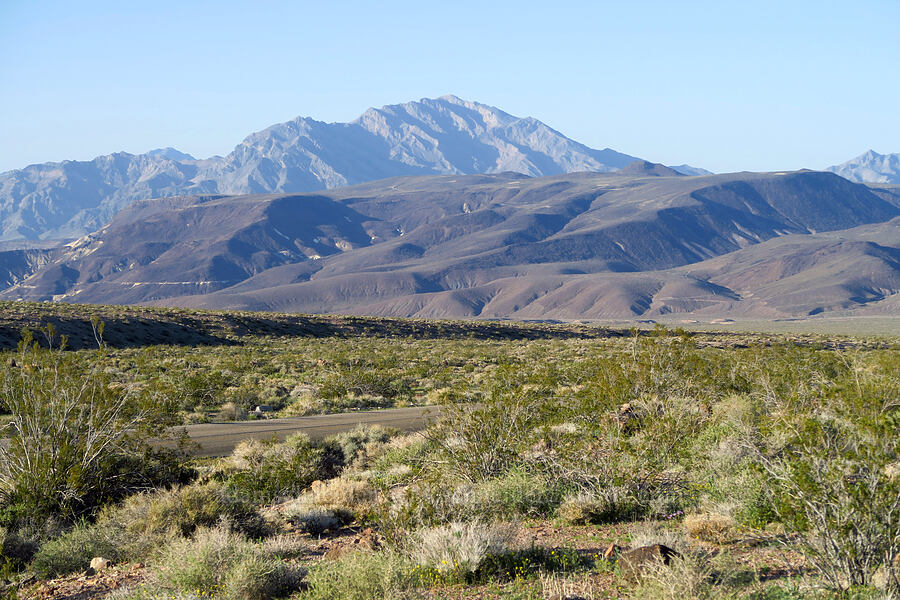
[(202, 387), (358, 442), (19, 544), (454, 552), (313, 520), (580, 509), (648, 533), (73, 550), (827, 449), (519, 492), (219, 562), (232, 412), (149, 519), (341, 495), (607, 505), (479, 442), (692, 576), (425, 504), (75, 440), (359, 381), (265, 471), (384, 575), (709, 527)]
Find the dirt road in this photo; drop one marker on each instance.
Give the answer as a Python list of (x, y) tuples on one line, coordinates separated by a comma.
[(219, 439)]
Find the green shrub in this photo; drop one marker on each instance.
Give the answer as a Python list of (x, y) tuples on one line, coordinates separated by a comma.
[(73, 551), (18, 545), (75, 441), (829, 454), (354, 443), (383, 575), (150, 519), (266, 471), (519, 492), (219, 562)]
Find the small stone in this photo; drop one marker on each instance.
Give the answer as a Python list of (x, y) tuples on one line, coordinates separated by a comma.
[(98, 563)]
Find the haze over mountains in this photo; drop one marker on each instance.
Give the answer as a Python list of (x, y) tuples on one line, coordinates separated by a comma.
[(445, 135), (645, 242)]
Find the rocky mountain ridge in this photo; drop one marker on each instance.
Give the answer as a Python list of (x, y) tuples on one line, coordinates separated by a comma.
[(644, 241), (870, 167), (445, 135)]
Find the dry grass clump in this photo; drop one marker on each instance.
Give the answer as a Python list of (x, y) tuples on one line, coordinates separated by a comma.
[(560, 587), (459, 547), (579, 509), (693, 576), (384, 575), (610, 504), (648, 534), (342, 493), (709, 527), (330, 504), (313, 520), (232, 412), (219, 562), (180, 510), (285, 546)]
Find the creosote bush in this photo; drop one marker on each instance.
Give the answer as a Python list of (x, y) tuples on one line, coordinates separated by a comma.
[(76, 440)]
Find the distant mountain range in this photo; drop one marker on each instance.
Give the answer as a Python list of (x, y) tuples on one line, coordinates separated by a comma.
[(449, 208), (641, 242), (445, 135), (870, 167)]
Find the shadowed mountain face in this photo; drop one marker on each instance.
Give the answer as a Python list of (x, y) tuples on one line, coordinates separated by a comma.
[(642, 242), (870, 167), (445, 135)]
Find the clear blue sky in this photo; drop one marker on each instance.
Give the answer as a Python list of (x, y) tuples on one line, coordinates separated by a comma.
[(723, 85)]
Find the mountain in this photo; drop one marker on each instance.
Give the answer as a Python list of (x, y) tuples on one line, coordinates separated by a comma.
[(870, 167), (643, 241), (446, 135), (170, 153), (689, 170)]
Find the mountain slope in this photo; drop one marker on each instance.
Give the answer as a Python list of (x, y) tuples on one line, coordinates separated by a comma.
[(870, 167), (643, 241), (444, 135)]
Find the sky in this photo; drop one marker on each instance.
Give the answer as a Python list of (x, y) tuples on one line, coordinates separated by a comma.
[(724, 85)]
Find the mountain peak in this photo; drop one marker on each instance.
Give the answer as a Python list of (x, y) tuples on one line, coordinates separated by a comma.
[(643, 167), (870, 167), (171, 154), (446, 135)]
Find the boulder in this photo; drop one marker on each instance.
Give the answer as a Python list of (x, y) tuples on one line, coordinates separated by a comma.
[(633, 563)]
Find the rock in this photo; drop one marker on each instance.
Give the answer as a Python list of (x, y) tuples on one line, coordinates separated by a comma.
[(98, 563), (611, 552), (634, 562), (89, 572)]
